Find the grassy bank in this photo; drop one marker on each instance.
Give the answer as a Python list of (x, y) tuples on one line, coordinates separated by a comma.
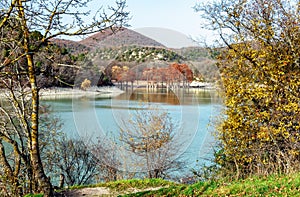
[(287, 185), (277, 185)]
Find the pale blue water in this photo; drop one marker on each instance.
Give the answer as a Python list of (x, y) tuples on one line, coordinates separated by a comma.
[(192, 111)]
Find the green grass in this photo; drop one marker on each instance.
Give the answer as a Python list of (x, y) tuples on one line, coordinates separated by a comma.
[(288, 185), (276, 185), (34, 195), (123, 185)]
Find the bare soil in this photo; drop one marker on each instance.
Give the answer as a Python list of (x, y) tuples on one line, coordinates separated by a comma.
[(100, 191)]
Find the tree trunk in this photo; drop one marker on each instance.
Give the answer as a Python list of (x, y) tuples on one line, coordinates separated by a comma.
[(44, 184), (40, 177)]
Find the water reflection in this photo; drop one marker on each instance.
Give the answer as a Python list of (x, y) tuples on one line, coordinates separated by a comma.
[(176, 97)]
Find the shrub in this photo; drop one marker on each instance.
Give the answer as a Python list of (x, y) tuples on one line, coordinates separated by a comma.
[(85, 84)]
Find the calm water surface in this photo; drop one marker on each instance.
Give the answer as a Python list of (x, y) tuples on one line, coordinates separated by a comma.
[(192, 110)]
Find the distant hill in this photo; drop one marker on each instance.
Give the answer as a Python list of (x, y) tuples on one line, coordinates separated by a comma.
[(137, 54), (144, 54), (193, 53), (99, 52), (72, 46), (66, 63), (113, 44), (122, 37)]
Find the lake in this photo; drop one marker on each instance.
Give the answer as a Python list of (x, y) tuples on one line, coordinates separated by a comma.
[(191, 109)]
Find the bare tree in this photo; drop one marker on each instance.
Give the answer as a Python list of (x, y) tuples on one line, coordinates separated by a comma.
[(15, 161), (18, 20), (108, 161), (73, 158), (149, 135)]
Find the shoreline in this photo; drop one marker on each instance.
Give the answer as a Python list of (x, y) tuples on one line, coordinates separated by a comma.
[(93, 92)]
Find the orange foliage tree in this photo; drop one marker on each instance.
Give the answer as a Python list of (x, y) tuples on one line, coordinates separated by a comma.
[(173, 74), (185, 70)]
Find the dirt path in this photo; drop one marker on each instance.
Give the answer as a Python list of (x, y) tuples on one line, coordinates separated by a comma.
[(100, 191), (88, 192)]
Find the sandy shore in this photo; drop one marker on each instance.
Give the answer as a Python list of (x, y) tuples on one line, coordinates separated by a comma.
[(94, 92)]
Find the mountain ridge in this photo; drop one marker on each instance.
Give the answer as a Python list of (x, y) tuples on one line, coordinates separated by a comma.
[(108, 38), (121, 37)]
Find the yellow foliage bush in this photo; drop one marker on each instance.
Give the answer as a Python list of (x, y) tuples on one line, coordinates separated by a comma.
[(85, 84), (260, 69)]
